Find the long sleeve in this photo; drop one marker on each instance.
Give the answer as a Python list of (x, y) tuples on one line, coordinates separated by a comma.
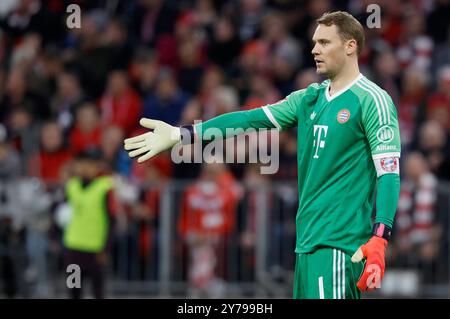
[(388, 190), (281, 115), (233, 123)]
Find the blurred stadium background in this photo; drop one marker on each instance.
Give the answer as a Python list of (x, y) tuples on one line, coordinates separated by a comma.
[(66, 90)]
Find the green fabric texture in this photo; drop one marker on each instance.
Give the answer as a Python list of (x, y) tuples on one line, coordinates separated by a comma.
[(225, 125), (327, 273), (388, 191)]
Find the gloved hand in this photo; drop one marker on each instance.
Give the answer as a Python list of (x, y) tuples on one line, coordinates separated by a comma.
[(374, 252), (163, 137)]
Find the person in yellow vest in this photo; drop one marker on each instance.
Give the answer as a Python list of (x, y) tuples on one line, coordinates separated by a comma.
[(86, 237)]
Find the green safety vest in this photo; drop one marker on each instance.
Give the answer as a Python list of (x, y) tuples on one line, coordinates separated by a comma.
[(88, 228)]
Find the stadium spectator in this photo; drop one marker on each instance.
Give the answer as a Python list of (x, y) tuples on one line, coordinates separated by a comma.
[(120, 104), (285, 51), (87, 236), (418, 230), (115, 41), (254, 58), (88, 53), (416, 46), (386, 72), (151, 19), (225, 45), (110, 145), (25, 133), (205, 14), (197, 107), (305, 78), (25, 53), (191, 67), (433, 143), (68, 98), (144, 70), (18, 95), (206, 222), (223, 99), (251, 13), (438, 107), (412, 105), (168, 100), (44, 73), (87, 130), (48, 163), (262, 92), (29, 16)]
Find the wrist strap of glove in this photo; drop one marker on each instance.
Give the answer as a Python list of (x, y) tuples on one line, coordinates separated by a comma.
[(381, 230), (187, 134)]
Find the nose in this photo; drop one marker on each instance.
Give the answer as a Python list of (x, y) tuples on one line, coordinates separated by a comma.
[(315, 50)]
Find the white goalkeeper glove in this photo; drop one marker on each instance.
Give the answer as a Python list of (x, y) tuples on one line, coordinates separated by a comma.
[(163, 137)]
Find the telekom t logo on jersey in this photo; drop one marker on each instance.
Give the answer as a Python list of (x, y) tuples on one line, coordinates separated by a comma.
[(320, 133)]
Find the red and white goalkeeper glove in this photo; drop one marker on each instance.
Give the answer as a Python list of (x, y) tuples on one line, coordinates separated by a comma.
[(374, 253)]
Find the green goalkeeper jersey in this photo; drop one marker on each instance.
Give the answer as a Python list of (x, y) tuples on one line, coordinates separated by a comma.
[(339, 137)]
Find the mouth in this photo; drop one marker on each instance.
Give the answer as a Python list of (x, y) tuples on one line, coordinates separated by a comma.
[(318, 62)]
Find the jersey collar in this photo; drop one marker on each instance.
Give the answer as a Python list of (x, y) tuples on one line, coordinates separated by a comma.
[(335, 95)]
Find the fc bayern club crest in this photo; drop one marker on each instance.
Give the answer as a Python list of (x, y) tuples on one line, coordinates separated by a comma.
[(343, 116), (389, 164)]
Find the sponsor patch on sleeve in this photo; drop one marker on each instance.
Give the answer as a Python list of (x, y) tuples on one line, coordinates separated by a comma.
[(386, 165)]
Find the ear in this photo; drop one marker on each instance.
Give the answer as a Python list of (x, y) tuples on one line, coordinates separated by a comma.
[(351, 47)]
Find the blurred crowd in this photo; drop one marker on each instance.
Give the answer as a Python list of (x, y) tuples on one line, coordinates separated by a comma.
[(64, 91)]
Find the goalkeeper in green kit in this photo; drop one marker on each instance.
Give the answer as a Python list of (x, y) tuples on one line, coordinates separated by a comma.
[(348, 144)]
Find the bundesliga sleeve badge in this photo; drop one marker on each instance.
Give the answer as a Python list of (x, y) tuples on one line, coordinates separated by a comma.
[(387, 165)]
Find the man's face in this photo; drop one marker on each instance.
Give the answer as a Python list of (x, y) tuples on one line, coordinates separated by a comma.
[(328, 51), (51, 137), (86, 168)]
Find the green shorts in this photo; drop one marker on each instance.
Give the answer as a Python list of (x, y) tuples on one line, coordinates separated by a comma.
[(327, 273)]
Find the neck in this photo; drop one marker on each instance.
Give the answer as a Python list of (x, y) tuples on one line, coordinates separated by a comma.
[(344, 78)]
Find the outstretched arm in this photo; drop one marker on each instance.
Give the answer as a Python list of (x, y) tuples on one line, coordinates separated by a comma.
[(165, 136), (280, 115), (283, 114)]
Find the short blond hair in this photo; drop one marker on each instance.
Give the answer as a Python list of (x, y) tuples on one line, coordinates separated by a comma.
[(348, 27)]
